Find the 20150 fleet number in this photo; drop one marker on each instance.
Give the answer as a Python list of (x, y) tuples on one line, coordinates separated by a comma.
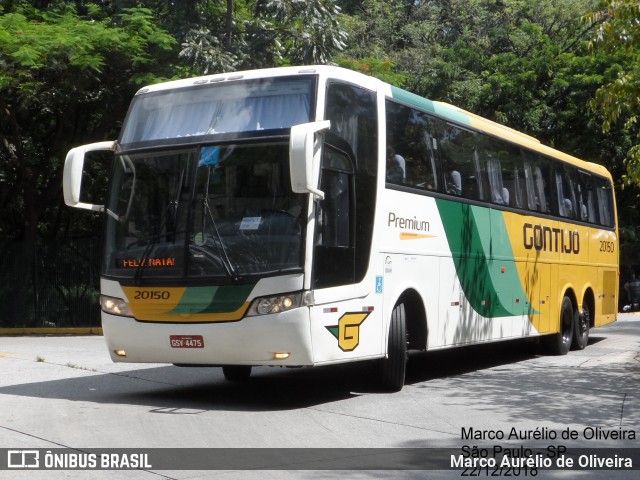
[(151, 295), (607, 246)]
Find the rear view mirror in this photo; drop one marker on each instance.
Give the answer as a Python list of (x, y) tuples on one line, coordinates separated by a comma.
[(304, 157), (72, 176)]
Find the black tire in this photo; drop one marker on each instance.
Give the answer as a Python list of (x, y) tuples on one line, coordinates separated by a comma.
[(236, 373), (394, 366), (560, 343), (581, 328)]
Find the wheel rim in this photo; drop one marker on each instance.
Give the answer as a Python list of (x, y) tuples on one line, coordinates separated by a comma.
[(583, 323), (567, 319)]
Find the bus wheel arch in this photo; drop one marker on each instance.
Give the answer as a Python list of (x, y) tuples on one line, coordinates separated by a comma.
[(415, 318), (589, 302)]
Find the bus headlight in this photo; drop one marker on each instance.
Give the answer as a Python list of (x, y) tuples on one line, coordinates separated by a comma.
[(115, 306), (275, 304)]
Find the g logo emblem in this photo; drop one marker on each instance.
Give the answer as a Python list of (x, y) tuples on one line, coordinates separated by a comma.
[(348, 330)]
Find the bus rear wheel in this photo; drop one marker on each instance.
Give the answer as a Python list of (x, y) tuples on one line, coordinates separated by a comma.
[(581, 329), (236, 373), (394, 366), (560, 343)]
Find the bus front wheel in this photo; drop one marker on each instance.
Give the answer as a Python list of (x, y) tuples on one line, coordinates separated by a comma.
[(236, 373), (395, 364), (560, 343)]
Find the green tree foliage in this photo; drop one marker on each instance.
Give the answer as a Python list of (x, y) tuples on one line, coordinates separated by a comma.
[(491, 57), (263, 33), (62, 83), (524, 64), (66, 78), (618, 102)]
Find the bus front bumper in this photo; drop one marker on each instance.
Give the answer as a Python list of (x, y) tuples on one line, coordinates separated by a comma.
[(282, 339)]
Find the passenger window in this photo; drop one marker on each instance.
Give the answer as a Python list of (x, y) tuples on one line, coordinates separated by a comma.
[(587, 198), (513, 177), (503, 172), (412, 149), (536, 173), (604, 195), (464, 173), (566, 189)]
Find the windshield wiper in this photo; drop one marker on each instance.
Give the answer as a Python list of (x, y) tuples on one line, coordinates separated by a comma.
[(222, 251)]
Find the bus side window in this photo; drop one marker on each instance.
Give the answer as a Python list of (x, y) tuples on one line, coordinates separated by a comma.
[(480, 174), (499, 193), (411, 147), (587, 194), (504, 172), (506, 176), (536, 170), (463, 173), (604, 196), (516, 174), (426, 175), (566, 193), (432, 180), (542, 187)]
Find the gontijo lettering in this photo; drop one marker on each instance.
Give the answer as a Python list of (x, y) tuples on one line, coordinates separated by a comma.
[(550, 239)]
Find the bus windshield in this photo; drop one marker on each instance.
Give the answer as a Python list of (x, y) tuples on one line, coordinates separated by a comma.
[(223, 212), (184, 115)]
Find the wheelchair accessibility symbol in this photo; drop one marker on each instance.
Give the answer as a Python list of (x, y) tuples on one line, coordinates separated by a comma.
[(379, 284)]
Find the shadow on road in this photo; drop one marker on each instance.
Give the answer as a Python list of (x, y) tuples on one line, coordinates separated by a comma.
[(482, 374)]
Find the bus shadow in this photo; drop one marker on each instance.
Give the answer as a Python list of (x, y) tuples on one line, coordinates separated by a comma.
[(176, 390)]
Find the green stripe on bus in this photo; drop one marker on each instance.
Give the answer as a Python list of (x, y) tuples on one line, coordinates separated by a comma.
[(412, 99), (445, 111), (479, 260), (221, 299)]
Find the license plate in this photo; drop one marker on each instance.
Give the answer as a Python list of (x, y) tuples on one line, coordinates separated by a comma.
[(186, 341)]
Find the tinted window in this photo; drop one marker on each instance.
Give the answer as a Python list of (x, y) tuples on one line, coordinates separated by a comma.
[(464, 173), (536, 176), (604, 196), (411, 156)]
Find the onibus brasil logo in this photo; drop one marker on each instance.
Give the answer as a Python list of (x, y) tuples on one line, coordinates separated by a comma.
[(348, 330)]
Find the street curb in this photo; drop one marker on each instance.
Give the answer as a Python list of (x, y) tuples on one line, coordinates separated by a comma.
[(52, 331)]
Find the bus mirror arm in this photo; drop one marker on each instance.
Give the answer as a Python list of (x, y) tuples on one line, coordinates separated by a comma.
[(304, 157), (72, 176)]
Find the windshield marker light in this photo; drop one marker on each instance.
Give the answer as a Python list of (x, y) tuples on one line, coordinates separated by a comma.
[(120, 353), (115, 306), (281, 355)]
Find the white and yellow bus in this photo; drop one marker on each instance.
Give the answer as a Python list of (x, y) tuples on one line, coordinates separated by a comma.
[(307, 216)]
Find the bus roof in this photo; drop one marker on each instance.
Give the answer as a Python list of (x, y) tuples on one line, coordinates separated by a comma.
[(442, 109)]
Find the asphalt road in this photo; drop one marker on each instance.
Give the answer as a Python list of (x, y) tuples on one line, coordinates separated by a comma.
[(63, 392)]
